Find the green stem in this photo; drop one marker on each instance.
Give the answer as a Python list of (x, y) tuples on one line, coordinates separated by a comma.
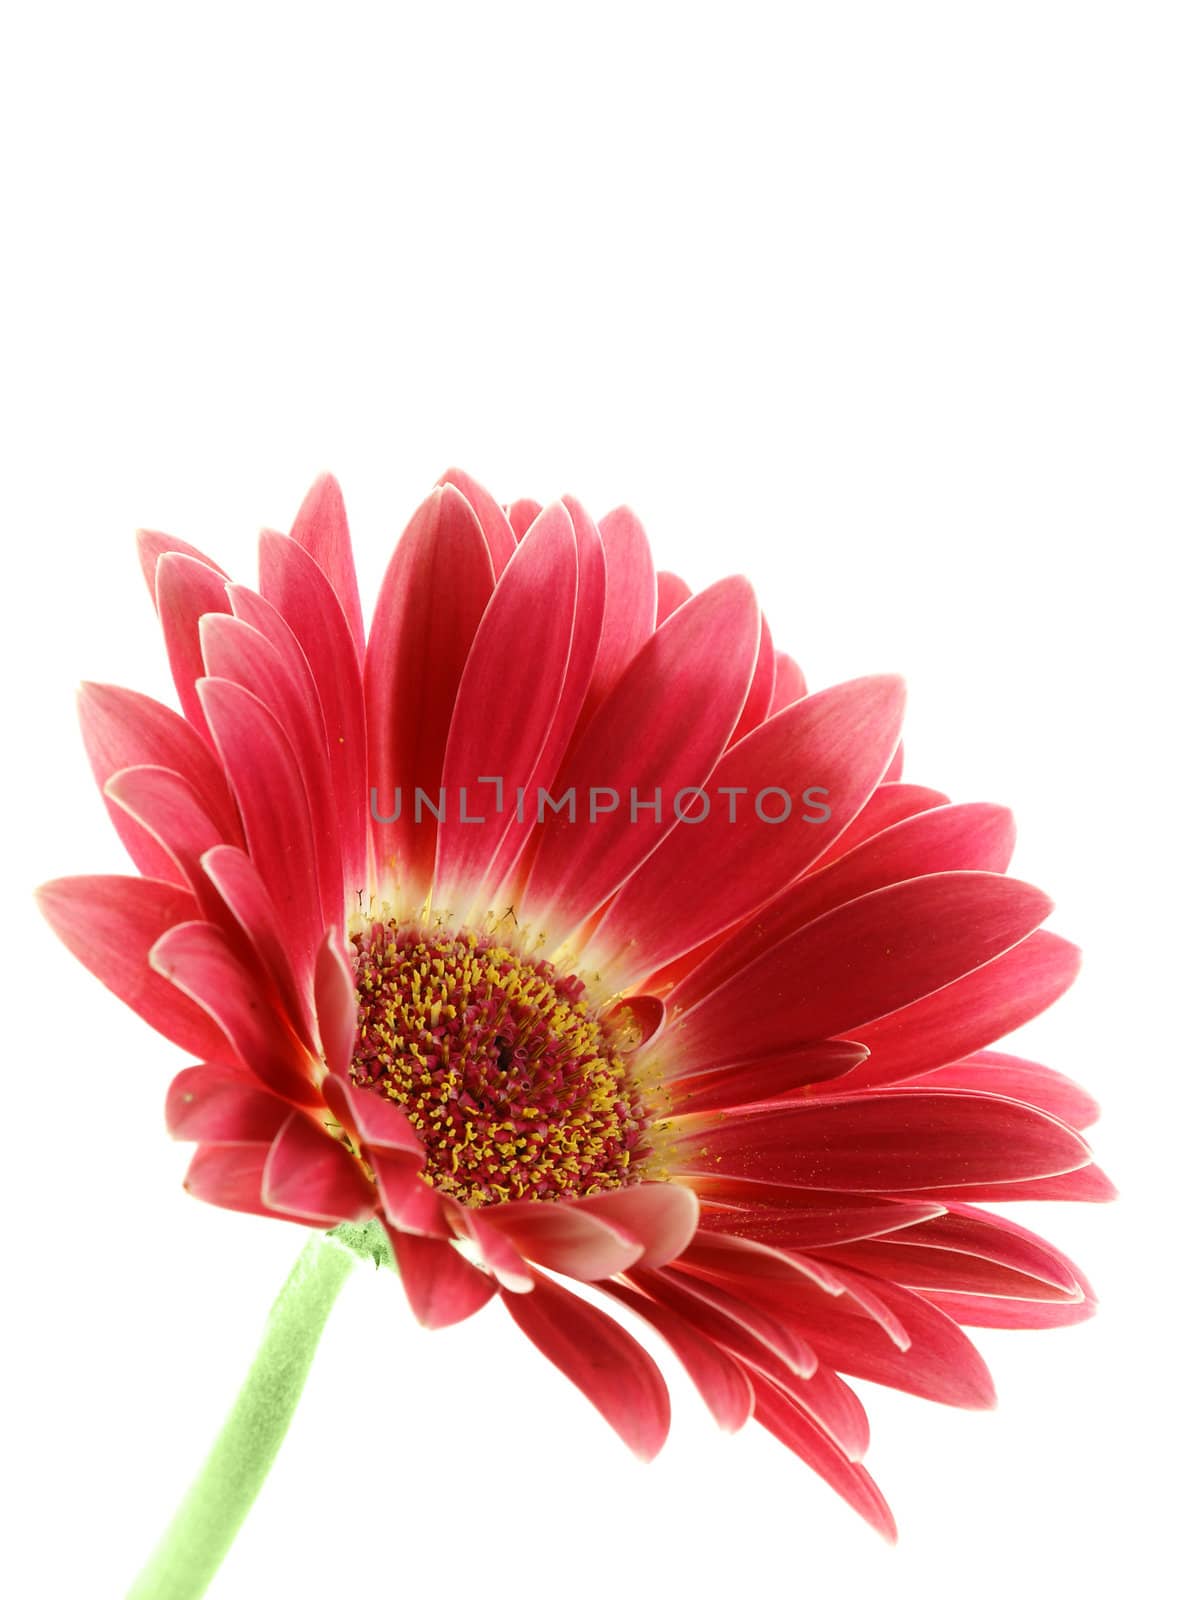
[(220, 1498)]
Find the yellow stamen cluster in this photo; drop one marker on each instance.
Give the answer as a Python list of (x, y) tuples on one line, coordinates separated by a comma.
[(510, 1079)]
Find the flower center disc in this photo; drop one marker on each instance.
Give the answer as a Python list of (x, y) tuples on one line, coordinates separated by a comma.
[(511, 1080)]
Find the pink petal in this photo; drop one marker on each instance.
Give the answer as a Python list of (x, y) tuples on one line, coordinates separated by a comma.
[(601, 1359), (721, 1256), (734, 1322), (800, 1219), (915, 1140), (564, 1237), (832, 1404), (197, 959), (790, 683), (719, 1379), (629, 599), (243, 893), (321, 528), (771, 1078), (1088, 1183), (187, 590), (762, 687), (310, 1174), (124, 729), (799, 1432), (935, 1360), (377, 1121), (661, 1217), (335, 1004), (212, 1105), (841, 739), (234, 651), (521, 515), (495, 525), (980, 1233), (979, 1008), (859, 962), (948, 838), (890, 803), (672, 593), (432, 597), (152, 546), (441, 1286), (994, 1311), (503, 1259), (519, 658), (229, 1175), (686, 686), (110, 924), (992, 1073), (169, 810), (974, 838), (297, 589), (505, 868), (410, 1203), (931, 1268), (269, 789)]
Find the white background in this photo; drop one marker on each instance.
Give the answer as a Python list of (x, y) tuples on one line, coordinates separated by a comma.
[(886, 306)]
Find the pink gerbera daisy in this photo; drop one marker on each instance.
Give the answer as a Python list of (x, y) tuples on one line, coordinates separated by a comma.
[(556, 932)]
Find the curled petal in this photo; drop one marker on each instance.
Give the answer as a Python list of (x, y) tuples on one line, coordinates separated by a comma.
[(441, 1286), (310, 1173), (662, 1217), (335, 1004), (932, 1359), (408, 1200), (503, 1259), (565, 1237)]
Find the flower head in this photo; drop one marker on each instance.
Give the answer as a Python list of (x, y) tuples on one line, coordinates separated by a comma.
[(558, 932)]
